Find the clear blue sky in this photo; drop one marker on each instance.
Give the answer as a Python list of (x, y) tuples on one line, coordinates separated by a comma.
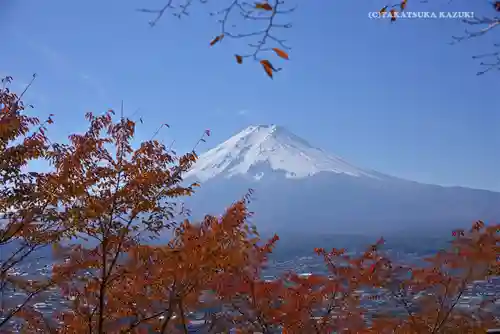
[(395, 98)]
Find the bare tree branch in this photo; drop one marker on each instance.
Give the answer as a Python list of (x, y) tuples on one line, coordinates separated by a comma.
[(486, 25), (262, 34)]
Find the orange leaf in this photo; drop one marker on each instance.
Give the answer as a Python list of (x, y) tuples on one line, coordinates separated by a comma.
[(267, 67), (281, 53), (216, 39), (264, 6), (393, 15), (403, 4), (383, 10), (239, 59)]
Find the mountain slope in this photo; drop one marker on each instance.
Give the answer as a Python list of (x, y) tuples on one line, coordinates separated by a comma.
[(300, 188), (273, 145)]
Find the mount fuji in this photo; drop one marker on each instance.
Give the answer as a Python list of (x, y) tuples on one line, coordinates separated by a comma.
[(301, 188)]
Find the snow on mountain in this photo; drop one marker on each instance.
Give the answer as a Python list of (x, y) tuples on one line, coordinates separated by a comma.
[(275, 147)]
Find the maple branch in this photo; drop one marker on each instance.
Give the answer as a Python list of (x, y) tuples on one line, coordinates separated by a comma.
[(240, 311), (152, 316), (212, 322), (12, 260), (183, 318), (331, 305), (442, 300), (245, 11), (48, 328), (19, 307), (488, 25), (179, 169), (314, 322), (402, 301), (485, 24), (170, 307), (105, 271), (26, 88), (26, 248), (158, 130), (462, 290), (177, 10), (261, 321), (266, 35), (167, 319)]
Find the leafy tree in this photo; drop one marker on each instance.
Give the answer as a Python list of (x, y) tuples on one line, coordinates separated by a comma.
[(110, 197), (426, 297), (26, 212)]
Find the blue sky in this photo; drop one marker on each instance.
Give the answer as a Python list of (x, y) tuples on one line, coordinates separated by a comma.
[(392, 97)]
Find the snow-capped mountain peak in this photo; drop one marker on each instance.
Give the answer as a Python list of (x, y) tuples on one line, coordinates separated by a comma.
[(258, 150)]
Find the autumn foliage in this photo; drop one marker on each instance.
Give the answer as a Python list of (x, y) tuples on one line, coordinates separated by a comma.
[(105, 197)]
